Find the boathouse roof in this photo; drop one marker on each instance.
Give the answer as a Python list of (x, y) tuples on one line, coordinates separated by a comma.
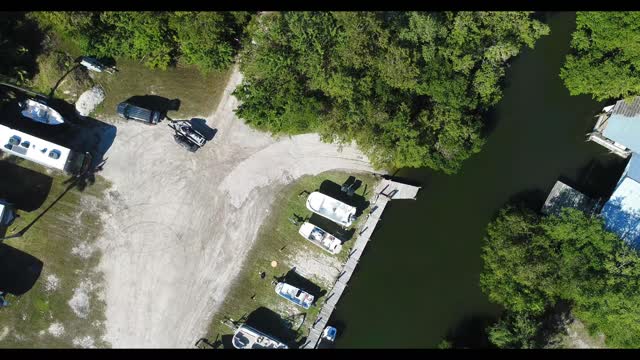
[(623, 126), (563, 195), (622, 212)]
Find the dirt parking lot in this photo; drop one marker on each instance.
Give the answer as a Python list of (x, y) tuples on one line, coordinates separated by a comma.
[(180, 224)]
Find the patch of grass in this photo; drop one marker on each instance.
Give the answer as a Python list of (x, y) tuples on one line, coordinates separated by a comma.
[(52, 66), (198, 94), (578, 336), (72, 220), (278, 240)]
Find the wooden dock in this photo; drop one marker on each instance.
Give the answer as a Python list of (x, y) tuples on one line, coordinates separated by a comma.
[(386, 191)]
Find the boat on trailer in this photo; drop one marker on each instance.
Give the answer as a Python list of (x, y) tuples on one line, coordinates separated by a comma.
[(40, 112), (332, 209), (295, 295), (320, 238), (246, 337)]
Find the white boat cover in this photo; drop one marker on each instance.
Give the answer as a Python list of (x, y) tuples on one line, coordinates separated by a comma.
[(41, 113), (331, 208)]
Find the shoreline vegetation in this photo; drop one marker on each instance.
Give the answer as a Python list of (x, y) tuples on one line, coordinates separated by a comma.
[(252, 299), (547, 270)]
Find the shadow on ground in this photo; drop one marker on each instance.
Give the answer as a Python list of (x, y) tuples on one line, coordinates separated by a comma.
[(200, 125), (154, 102), (26, 189), (19, 271), (19, 33), (274, 325)]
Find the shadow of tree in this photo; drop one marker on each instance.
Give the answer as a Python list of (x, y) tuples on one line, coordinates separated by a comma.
[(19, 33), (471, 332)]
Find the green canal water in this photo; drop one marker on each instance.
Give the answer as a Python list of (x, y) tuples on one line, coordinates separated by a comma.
[(418, 281)]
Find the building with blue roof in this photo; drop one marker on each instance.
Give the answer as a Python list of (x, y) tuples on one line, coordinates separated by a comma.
[(618, 129), (621, 212)]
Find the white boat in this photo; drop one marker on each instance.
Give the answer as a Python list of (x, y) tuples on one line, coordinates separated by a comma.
[(332, 209), (320, 238), (40, 112), (247, 337), (295, 295)]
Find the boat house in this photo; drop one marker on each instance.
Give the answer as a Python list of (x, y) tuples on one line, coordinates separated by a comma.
[(563, 195), (618, 127), (622, 212)]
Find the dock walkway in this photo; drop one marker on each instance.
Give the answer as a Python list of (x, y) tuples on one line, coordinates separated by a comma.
[(386, 191)]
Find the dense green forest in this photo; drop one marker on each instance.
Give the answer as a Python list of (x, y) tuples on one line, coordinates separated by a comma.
[(411, 88), (605, 57), (208, 40), (19, 47), (534, 265)]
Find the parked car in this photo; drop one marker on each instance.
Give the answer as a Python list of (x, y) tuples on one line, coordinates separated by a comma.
[(129, 111)]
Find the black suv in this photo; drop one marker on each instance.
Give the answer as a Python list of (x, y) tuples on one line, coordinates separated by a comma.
[(129, 111)]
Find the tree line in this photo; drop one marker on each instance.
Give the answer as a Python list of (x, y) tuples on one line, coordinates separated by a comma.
[(535, 266), (411, 88), (208, 40)]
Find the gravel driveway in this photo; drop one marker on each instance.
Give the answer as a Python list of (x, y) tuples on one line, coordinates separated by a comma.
[(180, 224)]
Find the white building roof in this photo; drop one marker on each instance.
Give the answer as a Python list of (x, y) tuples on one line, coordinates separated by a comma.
[(33, 148)]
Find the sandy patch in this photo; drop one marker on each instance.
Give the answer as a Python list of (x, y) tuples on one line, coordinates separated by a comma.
[(4, 332), (56, 329), (52, 282), (89, 100), (322, 267), (85, 342), (79, 302), (83, 250)]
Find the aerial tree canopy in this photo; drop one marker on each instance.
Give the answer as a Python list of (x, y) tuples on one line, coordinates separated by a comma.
[(209, 40), (410, 88), (531, 263), (20, 45), (605, 55)]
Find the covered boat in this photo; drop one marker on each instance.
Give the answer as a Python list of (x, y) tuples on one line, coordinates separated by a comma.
[(331, 208), (295, 295), (247, 337), (320, 238), (329, 333), (40, 112)]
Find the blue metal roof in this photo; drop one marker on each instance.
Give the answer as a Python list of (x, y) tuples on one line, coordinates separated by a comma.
[(624, 130), (633, 168), (622, 212)]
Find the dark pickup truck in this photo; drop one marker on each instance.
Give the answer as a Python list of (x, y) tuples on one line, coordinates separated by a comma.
[(129, 111)]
